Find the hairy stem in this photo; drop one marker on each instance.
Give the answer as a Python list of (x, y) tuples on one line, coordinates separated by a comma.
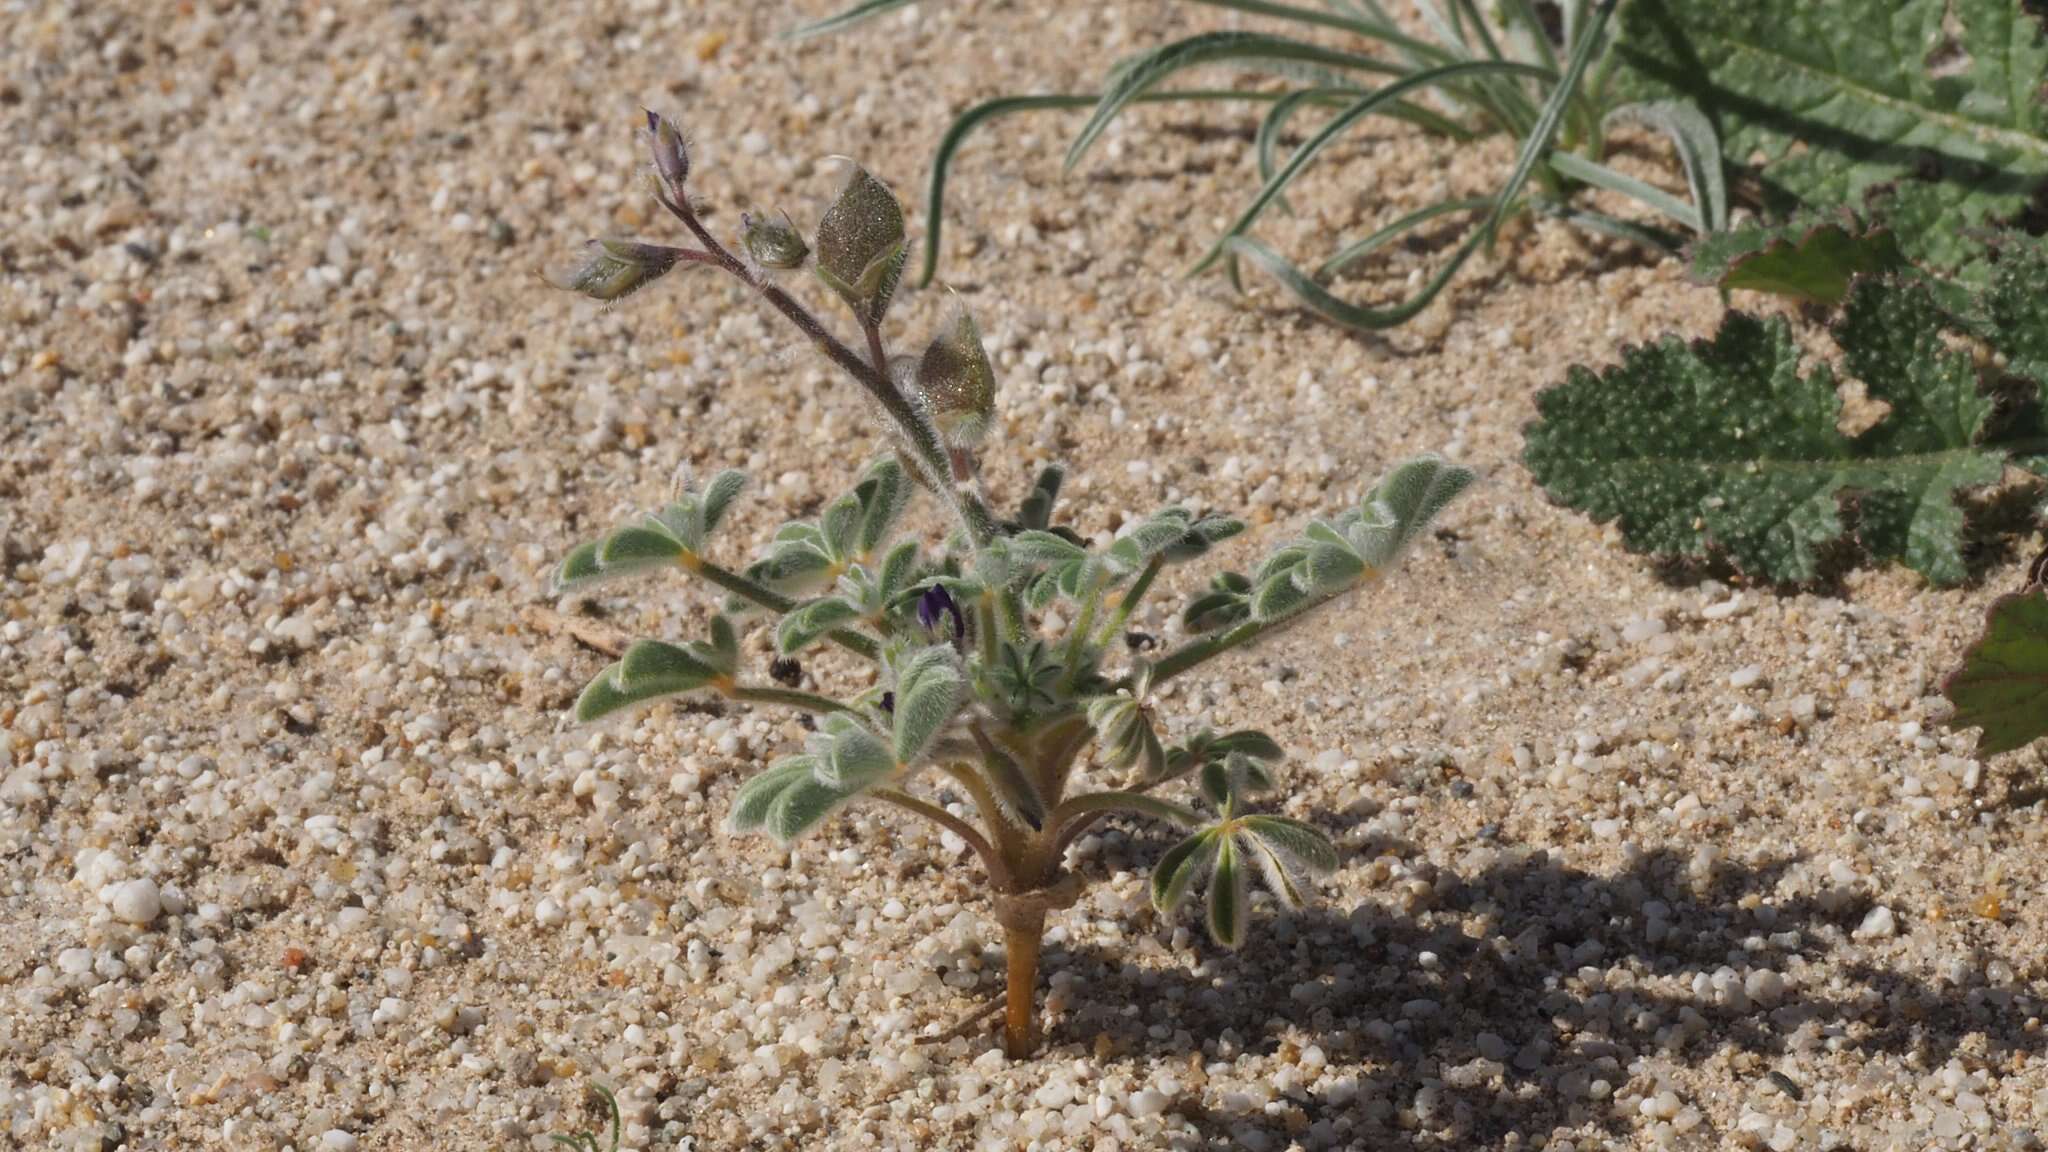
[(1131, 598), (791, 697), (1075, 807), (998, 870), (762, 596)]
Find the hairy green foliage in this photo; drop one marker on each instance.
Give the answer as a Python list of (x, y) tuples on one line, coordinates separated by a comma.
[(1727, 446), (2002, 685), (995, 704), (1807, 259), (1927, 111)]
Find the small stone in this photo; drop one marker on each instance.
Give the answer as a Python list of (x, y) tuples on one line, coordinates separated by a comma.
[(338, 1140), (1747, 676), (1148, 1102), (136, 902), (1879, 924)]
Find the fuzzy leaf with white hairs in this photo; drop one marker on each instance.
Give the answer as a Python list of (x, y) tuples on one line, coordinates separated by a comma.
[(929, 690)]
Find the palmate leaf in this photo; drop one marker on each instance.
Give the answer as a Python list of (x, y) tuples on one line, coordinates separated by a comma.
[(1725, 446), (1850, 100), (1809, 258), (2002, 686)]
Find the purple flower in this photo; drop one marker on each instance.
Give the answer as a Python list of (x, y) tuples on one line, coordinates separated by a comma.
[(936, 603)]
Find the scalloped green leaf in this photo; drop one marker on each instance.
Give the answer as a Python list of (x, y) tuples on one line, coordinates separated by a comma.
[(1927, 109), (1725, 446), (2002, 685)]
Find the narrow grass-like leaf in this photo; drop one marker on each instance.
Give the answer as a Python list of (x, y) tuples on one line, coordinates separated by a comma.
[(1320, 299), (1536, 146), (1337, 126), (1579, 168), (1699, 152), (1135, 76), (1360, 249), (846, 18)]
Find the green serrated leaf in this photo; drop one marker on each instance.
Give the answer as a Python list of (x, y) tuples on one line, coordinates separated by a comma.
[(1923, 452), (2002, 685), (1930, 107), (1807, 259), (1724, 444)]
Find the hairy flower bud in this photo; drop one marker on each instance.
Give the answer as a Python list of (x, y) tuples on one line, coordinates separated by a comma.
[(861, 246), (957, 384), (615, 269), (671, 154), (772, 243)]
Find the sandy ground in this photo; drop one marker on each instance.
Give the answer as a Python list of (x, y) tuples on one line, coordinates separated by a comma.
[(290, 434)]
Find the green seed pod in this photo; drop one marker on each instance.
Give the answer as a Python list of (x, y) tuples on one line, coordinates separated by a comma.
[(860, 245), (957, 384), (615, 269), (773, 243)]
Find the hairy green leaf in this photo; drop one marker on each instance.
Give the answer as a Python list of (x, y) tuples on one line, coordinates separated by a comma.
[(758, 795), (1931, 106), (2002, 685), (1726, 445), (929, 689), (1807, 259), (1227, 896), (649, 670), (1176, 871), (812, 622), (849, 755)]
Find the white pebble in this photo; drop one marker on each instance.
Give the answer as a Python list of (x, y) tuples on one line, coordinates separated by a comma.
[(1878, 925), (136, 902)]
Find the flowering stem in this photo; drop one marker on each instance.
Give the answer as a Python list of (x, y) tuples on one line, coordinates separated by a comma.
[(928, 452)]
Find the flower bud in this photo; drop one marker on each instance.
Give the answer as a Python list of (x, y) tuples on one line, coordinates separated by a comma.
[(615, 269), (957, 384), (860, 244), (772, 243), (671, 154)]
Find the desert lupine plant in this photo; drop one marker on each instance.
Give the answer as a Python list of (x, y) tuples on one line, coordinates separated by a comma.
[(997, 672)]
